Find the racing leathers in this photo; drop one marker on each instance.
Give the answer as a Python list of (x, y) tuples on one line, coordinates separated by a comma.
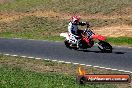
[(74, 32)]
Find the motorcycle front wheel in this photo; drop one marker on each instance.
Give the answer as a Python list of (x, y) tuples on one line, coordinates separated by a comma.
[(107, 48)]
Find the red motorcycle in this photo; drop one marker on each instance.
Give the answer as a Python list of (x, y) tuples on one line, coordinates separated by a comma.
[(87, 40)]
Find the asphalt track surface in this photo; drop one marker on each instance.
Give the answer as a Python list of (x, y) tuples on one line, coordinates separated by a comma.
[(121, 58)]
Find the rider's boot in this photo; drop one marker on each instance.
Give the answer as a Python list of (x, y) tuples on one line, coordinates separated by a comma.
[(75, 45), (78, 43)]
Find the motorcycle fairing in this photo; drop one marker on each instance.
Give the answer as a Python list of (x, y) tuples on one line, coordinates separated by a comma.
[(99, 37), (69, 37)]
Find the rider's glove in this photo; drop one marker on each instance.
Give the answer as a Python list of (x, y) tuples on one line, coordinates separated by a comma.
[(88, 25), (77, 37), (82, 23)]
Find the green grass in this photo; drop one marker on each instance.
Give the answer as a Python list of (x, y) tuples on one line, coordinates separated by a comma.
[(121, 41), (17, 78), (32, 27), (69, 6), (17, 72)]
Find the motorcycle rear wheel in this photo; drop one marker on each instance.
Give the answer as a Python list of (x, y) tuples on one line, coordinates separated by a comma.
[(67, 44)]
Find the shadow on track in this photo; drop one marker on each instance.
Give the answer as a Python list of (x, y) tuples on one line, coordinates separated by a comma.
[(102, 52)]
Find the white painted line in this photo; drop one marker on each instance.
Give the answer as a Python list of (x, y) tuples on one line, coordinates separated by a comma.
[(96, 66), (127, 71), (7, 54), (102, 67), (54, 60), (14, 55), (38, 58), (23, 56), (131, 72), (31, 57), (75, 63), (67, 62), (114, 69), (88, 65), (122, 70), (82, 64), (60, 61), (108, 68), (47, 59), (72, 63)]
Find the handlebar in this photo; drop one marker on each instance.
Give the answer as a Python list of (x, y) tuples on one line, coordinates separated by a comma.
[(87, 24)]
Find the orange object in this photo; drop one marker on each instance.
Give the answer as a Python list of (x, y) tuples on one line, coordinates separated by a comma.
[(83, 77), (81, 71)]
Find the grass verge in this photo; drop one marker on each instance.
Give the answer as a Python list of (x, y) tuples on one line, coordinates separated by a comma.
[(69, 6), (17, 72), (120, 41), (32, 27)]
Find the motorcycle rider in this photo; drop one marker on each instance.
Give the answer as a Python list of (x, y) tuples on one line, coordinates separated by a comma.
[(74, 32)]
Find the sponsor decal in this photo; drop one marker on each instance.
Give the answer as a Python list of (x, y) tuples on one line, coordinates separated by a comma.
[(83, 77)]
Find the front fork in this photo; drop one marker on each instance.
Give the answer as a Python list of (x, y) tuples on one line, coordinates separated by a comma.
[(99, 46)]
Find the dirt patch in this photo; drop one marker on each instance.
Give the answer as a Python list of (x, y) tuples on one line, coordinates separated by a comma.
[(5, 1), (111, 31), (8, 17), (37, 65), (115, 31)]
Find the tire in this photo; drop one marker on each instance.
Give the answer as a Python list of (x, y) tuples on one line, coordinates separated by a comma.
[(67, 44), (107, 48)]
